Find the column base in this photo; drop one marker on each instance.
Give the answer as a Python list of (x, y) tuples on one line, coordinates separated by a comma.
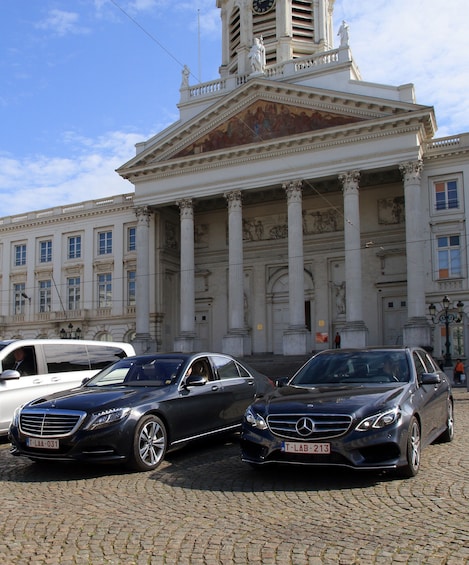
[(237, 344), (295, 341), (417, 332), (354, 334), (185, 343), (144, 343)]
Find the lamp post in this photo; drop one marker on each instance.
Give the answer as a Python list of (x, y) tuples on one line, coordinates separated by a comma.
[(444, 316)]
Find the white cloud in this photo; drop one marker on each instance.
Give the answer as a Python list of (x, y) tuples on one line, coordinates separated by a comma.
[(62, 23), (40, 181)]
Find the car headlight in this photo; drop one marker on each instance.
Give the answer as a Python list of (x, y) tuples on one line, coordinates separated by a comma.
[(106, 418), (380, 420), (16, 416), (254, 419)]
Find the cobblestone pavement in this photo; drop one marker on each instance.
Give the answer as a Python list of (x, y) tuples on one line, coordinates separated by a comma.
[(205, 507)]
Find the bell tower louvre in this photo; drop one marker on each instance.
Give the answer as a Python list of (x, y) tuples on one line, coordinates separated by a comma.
[(289, 29)]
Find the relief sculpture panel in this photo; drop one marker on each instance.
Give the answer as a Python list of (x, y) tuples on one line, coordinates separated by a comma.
[(276, 225)]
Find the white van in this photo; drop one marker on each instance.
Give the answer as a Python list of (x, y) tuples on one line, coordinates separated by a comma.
[(49, 365)]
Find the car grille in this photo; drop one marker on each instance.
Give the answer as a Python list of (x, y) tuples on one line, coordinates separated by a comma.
[(42, 423), (309, 426)]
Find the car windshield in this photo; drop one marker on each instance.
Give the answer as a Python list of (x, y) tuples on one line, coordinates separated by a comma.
[(349, 367), (139, 372)]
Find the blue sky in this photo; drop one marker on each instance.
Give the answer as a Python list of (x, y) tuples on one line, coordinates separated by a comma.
[(82, 81)]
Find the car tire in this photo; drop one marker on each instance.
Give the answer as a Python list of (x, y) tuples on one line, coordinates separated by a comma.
[(413, 451), (448, 434), (149, 444)]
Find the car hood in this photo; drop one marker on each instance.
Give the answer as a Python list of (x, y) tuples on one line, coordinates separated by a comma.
[(96, 399), (337, 398)]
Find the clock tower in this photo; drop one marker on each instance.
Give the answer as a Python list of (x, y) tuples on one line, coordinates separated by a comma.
[(289, 29)]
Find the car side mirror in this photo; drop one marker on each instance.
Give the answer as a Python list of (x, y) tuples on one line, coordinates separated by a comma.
[(429, 379), (9, 375), (195, 380)]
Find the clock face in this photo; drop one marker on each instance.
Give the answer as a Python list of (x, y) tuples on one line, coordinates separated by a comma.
[(262, 6)]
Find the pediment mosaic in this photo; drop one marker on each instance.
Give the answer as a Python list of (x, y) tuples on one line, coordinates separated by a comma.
[(262, 121)]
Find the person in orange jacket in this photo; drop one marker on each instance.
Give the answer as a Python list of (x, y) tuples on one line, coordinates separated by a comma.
[(458, 371)]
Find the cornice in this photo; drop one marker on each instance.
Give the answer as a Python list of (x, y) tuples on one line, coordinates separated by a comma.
[(59, 217), (281, 147)]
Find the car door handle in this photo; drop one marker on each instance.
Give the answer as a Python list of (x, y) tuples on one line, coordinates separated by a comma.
[(37, 381), (250, 382), (55, 379), (214, 387)]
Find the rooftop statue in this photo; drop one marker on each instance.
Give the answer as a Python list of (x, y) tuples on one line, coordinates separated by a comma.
[(343, 33), (257, 55)]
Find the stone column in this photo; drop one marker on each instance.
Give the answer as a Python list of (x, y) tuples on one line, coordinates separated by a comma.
[(295, 338), (143, 341), (186, 339), (417, 330), (354, 332), (235, 342)]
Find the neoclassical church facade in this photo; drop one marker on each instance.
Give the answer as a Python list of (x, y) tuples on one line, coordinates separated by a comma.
[(291, 201)]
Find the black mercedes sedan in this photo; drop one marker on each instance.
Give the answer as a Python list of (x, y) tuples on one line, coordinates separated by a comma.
[(372, 408), (137, 409)]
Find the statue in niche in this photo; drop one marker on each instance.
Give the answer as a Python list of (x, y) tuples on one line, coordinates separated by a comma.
[(339, 290), (170, 236)]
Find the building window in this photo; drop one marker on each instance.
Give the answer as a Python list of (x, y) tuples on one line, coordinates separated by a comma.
[(45, 251), (446, 194), (105, 290), (449, 257), (131, 288), (131, 242), (73, 293), (105, 243), (20, 255), (74, 247), (45, 296), (19, 297)]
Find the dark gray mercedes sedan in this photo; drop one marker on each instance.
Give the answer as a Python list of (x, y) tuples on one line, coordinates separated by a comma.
[(372, 408), (137, 409)]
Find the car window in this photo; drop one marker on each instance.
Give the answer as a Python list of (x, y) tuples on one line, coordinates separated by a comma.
[(354, 367), (24, 363), (202, 368), (226, 367), (431, 364), (419, 366), (101, 356), (139, 372), (66, 357)]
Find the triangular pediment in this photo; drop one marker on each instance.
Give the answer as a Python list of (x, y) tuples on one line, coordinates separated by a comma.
[(262, 121), (261, 115)]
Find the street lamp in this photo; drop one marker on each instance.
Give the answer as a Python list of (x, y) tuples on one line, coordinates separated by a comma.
[(446, 317), (70, 334)]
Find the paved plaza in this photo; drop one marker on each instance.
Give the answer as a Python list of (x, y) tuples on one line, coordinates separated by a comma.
[(205, 507)]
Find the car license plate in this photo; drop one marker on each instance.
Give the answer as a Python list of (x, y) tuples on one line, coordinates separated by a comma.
[(41, 443), (306, 448)]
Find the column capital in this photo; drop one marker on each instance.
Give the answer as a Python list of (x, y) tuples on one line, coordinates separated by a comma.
[(186, 207), (411, 171), (293, 190), (350, 181), (234, 199), (143, 214)]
